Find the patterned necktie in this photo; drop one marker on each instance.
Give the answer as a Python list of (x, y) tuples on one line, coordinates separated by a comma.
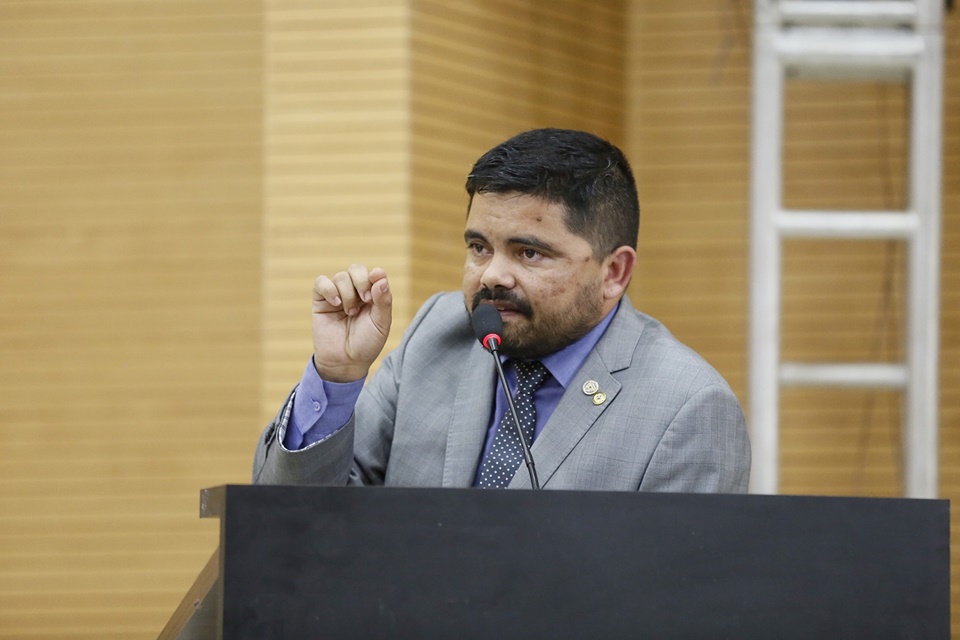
[(506, 453)]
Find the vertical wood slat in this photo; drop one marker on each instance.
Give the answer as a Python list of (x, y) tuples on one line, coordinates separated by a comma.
[(336, 87), (130, 165)]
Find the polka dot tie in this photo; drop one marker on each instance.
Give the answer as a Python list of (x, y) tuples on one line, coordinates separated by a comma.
[(506, 453)]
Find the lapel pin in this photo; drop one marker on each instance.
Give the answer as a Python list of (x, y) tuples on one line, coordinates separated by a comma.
[(590, 387), (599, 398)]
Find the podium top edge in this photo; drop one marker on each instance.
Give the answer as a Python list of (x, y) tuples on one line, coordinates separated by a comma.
[(213, 499)]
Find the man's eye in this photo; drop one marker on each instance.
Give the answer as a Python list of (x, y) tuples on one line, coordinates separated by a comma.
[(475, 248), (531, 254)]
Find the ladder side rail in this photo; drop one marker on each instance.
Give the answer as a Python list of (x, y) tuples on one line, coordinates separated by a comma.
[(766, 16), (930, 16), (765, 259), (921, 401)]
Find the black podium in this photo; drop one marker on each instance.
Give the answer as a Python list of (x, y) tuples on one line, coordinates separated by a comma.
[(319, 562)]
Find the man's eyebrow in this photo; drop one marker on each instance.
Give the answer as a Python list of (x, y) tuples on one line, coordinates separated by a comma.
[(470, 234), (533, 243)]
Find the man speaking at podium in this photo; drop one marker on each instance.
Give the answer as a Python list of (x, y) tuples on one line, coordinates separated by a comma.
[(605, 396)]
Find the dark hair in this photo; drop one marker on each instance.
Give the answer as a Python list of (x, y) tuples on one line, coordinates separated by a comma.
[(586, 174)]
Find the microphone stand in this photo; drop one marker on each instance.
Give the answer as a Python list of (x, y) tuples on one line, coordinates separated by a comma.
[(491, 345)]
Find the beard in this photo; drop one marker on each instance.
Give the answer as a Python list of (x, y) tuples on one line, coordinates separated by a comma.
[(547, 329)]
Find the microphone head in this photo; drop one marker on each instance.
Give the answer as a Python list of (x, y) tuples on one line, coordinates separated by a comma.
[(487, 325)]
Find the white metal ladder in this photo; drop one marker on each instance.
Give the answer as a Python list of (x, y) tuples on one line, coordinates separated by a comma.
[(848, 39)]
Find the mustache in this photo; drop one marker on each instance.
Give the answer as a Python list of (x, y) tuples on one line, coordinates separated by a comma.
[(502, 295)]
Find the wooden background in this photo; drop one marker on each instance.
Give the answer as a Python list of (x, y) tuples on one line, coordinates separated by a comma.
[(174, 173)]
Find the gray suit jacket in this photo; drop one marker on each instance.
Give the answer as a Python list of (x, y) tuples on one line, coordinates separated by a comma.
[(669, 423)]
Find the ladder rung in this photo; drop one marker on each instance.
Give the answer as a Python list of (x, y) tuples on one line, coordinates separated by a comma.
[(876, 48), (848, 12), (795, 374), (846, 224)]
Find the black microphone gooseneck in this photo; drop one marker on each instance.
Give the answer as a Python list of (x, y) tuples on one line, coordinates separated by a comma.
[(488, 327)]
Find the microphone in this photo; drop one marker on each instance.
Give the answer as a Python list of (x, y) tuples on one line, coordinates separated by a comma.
[(488, 327)]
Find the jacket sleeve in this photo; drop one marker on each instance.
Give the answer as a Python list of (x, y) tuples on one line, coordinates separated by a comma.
[(358, 452)]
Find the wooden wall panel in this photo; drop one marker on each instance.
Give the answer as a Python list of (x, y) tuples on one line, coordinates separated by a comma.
[(484, 71), (689, 137), (174, 174), (688, 131), (130, 164), (337, 167)]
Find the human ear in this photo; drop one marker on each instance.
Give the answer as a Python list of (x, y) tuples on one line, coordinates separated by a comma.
[(618, 269)]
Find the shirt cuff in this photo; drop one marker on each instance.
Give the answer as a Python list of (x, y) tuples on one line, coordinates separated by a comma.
[(320, 408)]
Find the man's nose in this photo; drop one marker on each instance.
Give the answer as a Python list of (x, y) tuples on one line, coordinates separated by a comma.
[(498, 273)]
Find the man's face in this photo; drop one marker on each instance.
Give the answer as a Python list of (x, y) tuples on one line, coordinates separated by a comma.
[(542, 278)]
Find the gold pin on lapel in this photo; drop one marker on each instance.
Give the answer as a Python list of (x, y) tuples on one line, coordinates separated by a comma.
[(599, 398), (590, 387)]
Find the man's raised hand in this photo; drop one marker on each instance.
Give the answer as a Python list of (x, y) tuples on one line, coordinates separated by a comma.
[(352, 312)]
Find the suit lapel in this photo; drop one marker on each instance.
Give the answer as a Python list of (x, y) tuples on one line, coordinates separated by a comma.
[(576, 413), (470, 418)]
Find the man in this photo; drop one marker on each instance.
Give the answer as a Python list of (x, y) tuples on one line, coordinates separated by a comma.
[(610, 399)]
